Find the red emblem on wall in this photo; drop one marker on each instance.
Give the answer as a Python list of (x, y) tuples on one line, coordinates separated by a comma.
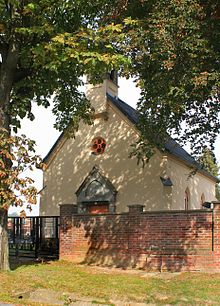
[(98, 145)]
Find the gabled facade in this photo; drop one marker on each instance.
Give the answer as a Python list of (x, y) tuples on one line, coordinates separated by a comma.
[(96, 194), (94, 171)]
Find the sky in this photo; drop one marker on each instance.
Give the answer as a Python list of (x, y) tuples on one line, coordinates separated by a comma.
[(42, 131)]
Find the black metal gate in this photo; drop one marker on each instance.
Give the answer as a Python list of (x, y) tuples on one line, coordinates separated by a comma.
[(34, 236)]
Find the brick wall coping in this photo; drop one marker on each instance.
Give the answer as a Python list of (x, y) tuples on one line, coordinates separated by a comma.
[(160, 212), (149, 213)]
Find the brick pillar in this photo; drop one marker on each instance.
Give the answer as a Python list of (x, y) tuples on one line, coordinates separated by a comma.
[(134, 232), (216, 215), (136, 208), (66, 213)]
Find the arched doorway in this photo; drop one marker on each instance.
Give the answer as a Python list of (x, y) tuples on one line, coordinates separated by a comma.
[(96, 195)]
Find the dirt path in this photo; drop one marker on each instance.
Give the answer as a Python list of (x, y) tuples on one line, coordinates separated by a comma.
[(50, 297)]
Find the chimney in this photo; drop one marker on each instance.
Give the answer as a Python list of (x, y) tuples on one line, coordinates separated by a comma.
[(97, 93)]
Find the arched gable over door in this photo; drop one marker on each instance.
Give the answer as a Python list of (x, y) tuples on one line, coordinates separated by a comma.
[(96, 194)]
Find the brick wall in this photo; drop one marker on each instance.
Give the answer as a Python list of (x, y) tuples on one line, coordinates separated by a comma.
[(173, 241)]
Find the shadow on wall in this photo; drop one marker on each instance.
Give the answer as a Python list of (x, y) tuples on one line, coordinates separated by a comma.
[(171, 241), (69, 168)]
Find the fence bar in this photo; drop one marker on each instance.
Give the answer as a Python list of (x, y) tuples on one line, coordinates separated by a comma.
[(34, 236)]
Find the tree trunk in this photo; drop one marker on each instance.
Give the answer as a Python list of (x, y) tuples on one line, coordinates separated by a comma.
[(8, 68), (4, 251)]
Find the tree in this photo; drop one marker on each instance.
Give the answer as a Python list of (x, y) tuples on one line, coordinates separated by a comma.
[(209, 162), (36, 63), (16, 188), (174, 49), (33, 63)]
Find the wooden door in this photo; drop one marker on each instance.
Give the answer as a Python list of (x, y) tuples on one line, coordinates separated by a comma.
[(98, 209)]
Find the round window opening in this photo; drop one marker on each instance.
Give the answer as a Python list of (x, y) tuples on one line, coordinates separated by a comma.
[(98, 145)]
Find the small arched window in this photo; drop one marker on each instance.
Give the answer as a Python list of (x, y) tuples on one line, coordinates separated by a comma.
[(187, 199), (202, 199)]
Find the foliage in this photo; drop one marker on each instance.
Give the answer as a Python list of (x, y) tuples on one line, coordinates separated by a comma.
[(16, 188), (174, 50), (53, 45), (209, 162), (171, 47)]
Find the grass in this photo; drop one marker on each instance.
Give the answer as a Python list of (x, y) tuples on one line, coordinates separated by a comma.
[(106, 285)]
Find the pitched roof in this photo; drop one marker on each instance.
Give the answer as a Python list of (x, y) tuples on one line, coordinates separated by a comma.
[(171, 146)]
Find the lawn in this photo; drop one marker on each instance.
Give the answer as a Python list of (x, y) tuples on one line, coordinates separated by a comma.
[(68, 282)]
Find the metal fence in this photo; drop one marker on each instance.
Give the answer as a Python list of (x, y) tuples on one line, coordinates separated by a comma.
[(34, 236)]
